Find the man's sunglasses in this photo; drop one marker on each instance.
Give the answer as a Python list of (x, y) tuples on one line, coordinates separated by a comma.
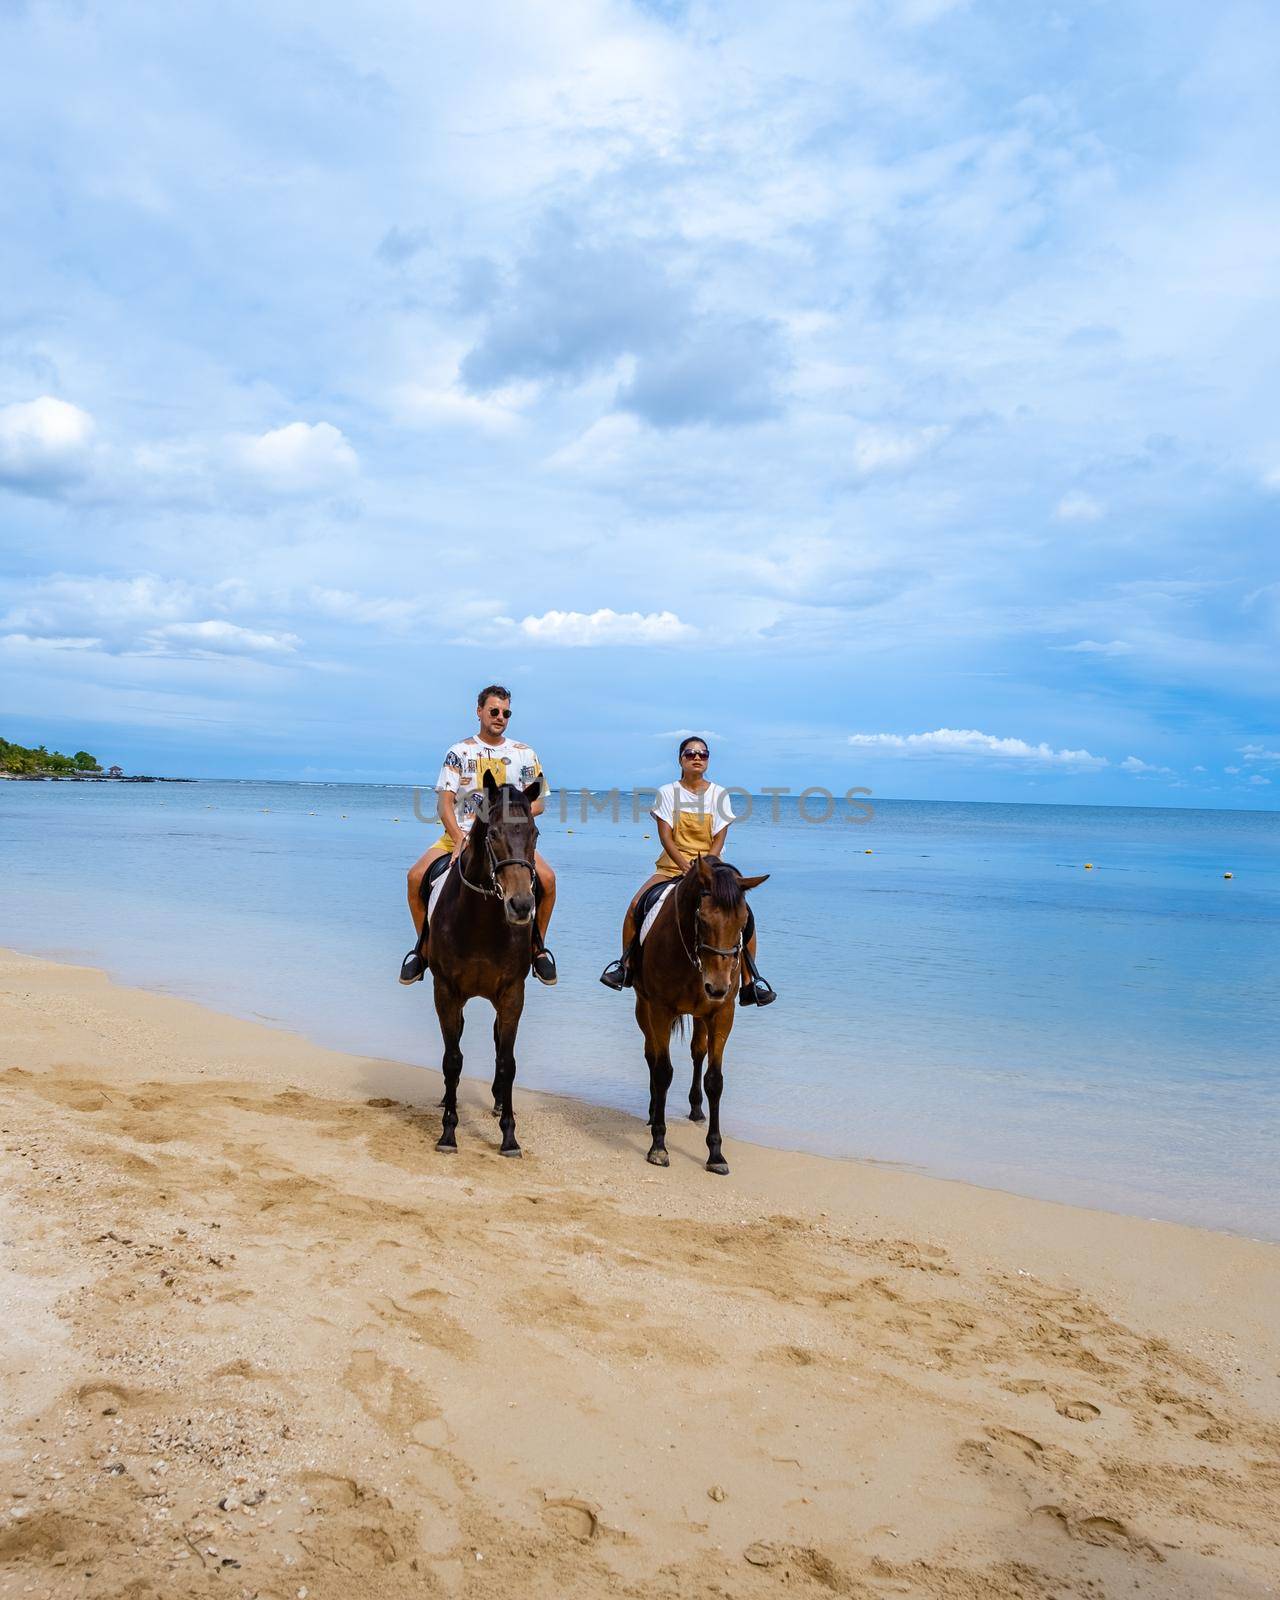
[(498, 712), (697, 755)]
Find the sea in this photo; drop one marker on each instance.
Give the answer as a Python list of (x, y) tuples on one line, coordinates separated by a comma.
[(1078, 1003)]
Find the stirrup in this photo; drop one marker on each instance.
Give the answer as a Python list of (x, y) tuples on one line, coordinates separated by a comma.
[(615, 975), (544, 966), (414, 966), (757, 992)]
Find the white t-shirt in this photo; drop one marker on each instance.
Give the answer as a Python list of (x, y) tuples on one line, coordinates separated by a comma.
[(675, 801), (466, 763)]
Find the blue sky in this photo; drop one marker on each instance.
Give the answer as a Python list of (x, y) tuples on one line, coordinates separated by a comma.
[(890, 388)]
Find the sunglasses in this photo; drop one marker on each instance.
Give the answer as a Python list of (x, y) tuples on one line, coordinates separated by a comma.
[(496, 712), (696, 755)]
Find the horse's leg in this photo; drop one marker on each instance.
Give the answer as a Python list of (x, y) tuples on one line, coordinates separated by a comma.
[(699, 1053), (509, 1006), (449, 1010), (642, 1021), (720, 1026), (497, 1051), (659, 1022)]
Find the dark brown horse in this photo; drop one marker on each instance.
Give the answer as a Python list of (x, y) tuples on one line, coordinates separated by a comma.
[(689, 967), (481, 943)]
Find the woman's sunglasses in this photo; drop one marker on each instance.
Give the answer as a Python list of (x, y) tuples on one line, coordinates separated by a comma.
[(695, 755)]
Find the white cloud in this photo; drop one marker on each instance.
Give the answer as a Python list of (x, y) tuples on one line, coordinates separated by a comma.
[(1094, 647), (1258, 780), (691, 733), (604, 627), (217, 637), (27, 641), (1136, 765), (878, 449), (372, 610), (44, 443), (1079, 508), (300, 457), (1255, 753), (969, 742)]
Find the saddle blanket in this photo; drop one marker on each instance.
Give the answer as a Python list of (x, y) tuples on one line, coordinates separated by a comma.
[(656, 903), (436, 883)]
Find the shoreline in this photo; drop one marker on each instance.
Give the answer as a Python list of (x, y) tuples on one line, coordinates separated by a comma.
[(890, 1164), (261, 1337)]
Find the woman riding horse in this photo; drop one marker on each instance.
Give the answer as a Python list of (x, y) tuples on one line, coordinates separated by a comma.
[(693, 816)]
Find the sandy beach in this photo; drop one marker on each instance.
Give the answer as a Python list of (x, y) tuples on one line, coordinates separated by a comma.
[(259, 1339)]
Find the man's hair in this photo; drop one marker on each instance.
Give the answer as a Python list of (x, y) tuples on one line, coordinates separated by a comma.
[(493, 691)]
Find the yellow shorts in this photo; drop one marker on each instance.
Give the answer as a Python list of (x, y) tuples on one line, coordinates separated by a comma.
[(444, 842)]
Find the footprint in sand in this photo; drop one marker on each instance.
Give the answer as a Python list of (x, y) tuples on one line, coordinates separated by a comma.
[(577, 1518), (1108, 1532)]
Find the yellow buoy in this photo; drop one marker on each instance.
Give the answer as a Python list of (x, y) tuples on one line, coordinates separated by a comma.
[(1088, 866), (867, 852), (1228, 874), (648, 836)]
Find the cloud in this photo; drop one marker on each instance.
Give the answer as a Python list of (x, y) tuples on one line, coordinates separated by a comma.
[(691, 733), (970, 743), (723, 371), (400, 245), (580, 629), (1135, 765), (27, 641), (217, 637), (44, 444), (1258, 780), (1258, 753), (1094, 647), (878, 449), (372, 611), (574, 306), (1079, 508), (299, 458)]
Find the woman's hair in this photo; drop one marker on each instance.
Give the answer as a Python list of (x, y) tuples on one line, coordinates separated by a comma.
[(694, 738)]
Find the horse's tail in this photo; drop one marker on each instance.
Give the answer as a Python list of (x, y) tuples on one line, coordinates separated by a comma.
[(678, 1026)]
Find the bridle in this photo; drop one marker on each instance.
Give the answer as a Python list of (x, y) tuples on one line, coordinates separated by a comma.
[(495, 867), (702, 944)]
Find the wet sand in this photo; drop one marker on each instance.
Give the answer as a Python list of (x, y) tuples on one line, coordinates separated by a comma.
[(260, 1339)]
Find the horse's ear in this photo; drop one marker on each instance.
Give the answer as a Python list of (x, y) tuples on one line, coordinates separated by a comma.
[(490, 782), (752, 883), (706, 870), (532, 791)]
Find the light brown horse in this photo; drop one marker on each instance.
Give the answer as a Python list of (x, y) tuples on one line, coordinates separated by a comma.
[(482, 943), (689, 966)]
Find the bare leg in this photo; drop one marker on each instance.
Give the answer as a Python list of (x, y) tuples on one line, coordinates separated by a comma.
[(417, 910), (720, 1027), (547, 897), (510, 1005), (699, 1052), (449, 1010)]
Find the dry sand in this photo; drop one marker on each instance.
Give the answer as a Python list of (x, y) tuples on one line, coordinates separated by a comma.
[(259, 1339)]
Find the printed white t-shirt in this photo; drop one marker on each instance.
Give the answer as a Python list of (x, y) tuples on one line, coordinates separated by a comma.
[(466, 763)]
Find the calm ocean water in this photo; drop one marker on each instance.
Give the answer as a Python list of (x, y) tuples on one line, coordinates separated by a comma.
[(966, 1000)]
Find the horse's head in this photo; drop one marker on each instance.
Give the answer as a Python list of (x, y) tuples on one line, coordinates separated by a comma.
[(509, 838), (720, 921)]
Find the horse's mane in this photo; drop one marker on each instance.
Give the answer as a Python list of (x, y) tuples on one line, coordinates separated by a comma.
[(726, 889)]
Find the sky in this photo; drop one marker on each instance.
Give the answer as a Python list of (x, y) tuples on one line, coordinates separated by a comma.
[(887, 389)]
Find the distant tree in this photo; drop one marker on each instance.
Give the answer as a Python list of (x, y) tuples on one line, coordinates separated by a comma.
[(85, 762)]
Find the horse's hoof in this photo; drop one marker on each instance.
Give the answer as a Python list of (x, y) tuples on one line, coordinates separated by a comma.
[(658, 1158), (721, 1167), (515, 1150), (449, 1149), (697, 1116)]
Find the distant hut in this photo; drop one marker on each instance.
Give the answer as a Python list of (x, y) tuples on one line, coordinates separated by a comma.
[(115, 772)]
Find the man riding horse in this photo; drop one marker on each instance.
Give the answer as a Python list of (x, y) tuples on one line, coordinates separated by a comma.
[(460, 788)]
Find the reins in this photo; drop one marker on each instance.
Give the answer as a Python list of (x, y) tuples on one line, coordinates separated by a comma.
[(702, 944), (495, 867)]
